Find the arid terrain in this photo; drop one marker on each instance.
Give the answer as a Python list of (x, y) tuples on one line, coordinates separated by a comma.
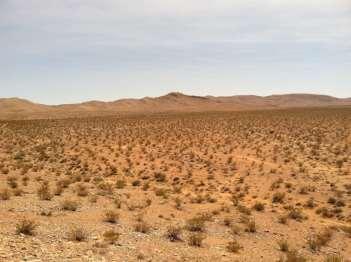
[(268, 185)]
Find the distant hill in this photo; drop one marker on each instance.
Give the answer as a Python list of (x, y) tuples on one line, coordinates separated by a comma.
[(15, 108)]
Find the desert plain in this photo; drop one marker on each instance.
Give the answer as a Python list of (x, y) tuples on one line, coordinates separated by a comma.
[(250, 185)]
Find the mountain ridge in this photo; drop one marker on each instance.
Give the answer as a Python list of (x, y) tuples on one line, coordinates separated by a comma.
[(18, 108)]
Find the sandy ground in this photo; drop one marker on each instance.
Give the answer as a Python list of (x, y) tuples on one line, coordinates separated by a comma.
[(255, 179)]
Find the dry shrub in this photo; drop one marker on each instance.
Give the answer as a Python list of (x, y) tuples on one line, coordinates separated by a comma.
[(111, 216), (196, 224), (146, 186), (251, 226), (347, 230), (117, 202), (25, 180), (334, 258), (325, 212), (227, 221), (142, 227), (258, 206), (136, 183), (26, 226), (243, 209), (173, 233), (283, 219), (111, 236), (283, 245), (77, 234), (235, 230), (61, 185), (82, 190), (319, 240), (5, 194), (310, 203), (59, 190), (278, 197), (93, 198), (43, 191), (296, 214), (233, 246), (105, 189), (195, 239), (293, 256), (160, 177), (161, 192), (120, 184), (69, 205), (17, 192), (12, 182)]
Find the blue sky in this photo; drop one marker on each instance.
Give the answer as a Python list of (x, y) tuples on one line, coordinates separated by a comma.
[(64, 51)]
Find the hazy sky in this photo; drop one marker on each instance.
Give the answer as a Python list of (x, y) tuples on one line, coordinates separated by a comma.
[(62, 51)]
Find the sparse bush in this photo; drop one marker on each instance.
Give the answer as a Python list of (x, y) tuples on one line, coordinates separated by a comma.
[(195, 239), (310, 203), (334, 258), (227, 221), (82, 190), (77, 234), (178, 203), (12, 182), (111, 236), (111, 216), (117, 202), (17, 192), (93, 198), (283, 245), (173, 233), (278, 197), (319, 240), (43, 191), (347, 230), (195, 224), (233, 246), (243, 209), (161, 192), (160, 177), (251, 226), (296, 214), (136, 183), (234, 230), (283, 219), (294, 256), (120, 184), (105, 189), (5, 194), (69, 205), (59, 189), (26, 226), (258, 206), (142, 227)]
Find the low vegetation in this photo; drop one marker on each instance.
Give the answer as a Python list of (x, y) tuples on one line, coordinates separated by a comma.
[(233, 186)]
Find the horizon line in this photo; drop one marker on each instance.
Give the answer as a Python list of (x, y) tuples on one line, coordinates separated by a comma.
[(169, 93)]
